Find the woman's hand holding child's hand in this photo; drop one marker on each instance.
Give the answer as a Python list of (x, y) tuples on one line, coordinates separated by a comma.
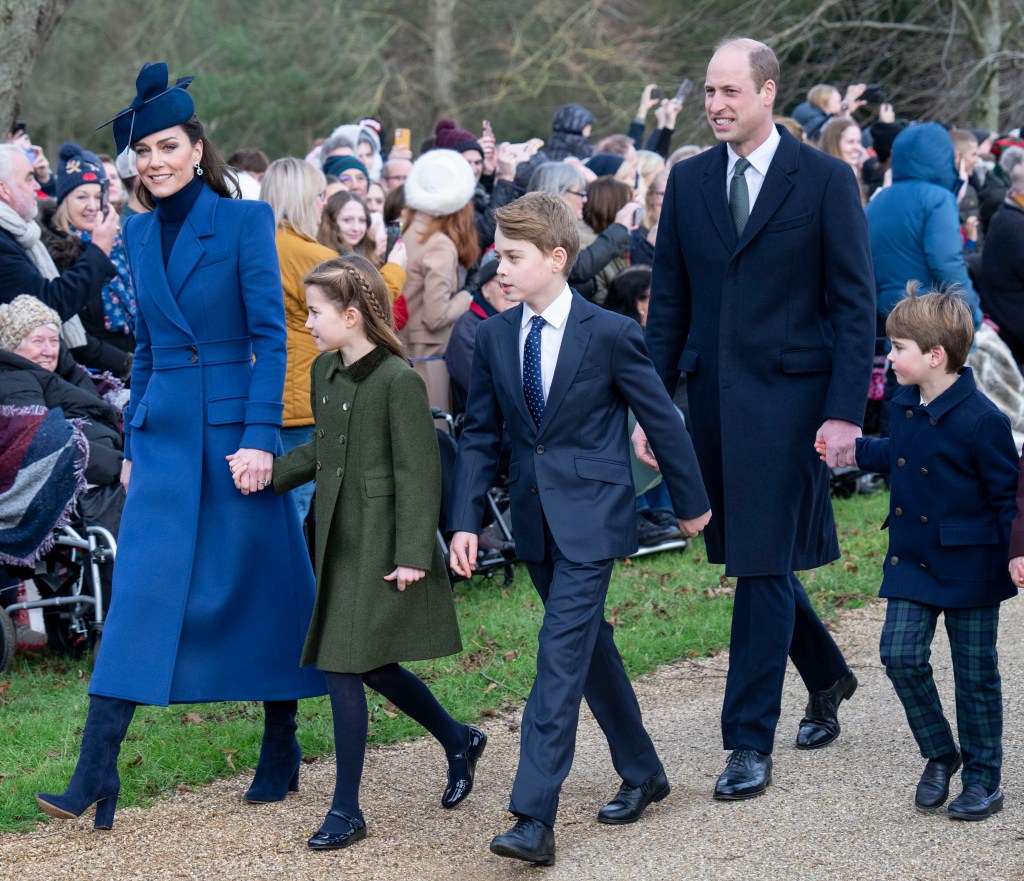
[(405, 575), (251, 470)]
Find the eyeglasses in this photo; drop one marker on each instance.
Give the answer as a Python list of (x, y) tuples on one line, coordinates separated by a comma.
[(399, 177), (582, 195)]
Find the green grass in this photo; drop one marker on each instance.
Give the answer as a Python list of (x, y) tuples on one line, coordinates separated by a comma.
[(664, 606)]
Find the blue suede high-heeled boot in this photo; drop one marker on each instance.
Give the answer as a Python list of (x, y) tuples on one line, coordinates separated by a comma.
[(95, 780), (277, 772)]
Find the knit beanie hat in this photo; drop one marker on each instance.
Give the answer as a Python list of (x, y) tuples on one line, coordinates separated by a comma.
[(448, 136), (22, 316), (338, 165), (439, 183), (604, 164), (75, 167)]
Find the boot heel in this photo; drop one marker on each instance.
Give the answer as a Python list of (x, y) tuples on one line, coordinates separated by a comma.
[(105, 808), (293, 785)]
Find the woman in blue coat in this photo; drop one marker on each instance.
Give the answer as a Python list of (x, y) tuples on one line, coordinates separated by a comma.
[(213, 588)]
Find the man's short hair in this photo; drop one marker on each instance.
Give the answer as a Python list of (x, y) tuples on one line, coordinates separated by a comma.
[(617, 144), (7, 154), (938, 317), (962, 138), (764, 65), (253, 161), (544, 220)]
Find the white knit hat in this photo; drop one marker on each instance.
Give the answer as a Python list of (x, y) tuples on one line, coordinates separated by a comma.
[(22, 316), (439, 183)]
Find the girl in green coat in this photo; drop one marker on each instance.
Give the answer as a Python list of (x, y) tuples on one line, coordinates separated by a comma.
[(383, 594)]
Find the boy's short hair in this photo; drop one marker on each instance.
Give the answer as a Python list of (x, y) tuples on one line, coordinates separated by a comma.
[(935, 318), (962, 138), (544, 220)]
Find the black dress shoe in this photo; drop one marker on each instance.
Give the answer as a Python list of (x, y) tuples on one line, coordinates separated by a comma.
[(528, 840), (650, 533), (461, 785), (820, 724), (975, 804), (631, 801), (353, 830), (933, 787), (747, 775)]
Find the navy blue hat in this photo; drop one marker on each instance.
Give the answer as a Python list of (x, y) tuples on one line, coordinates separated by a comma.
[(337, 164), (604, 164), (75, 167), (157, 105)]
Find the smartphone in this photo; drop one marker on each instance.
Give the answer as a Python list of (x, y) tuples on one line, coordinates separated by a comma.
[(403, 139), (394, 233), (105, 198), (683, 92), (872, 94), (638, 217), (487, 130), (655, 93)]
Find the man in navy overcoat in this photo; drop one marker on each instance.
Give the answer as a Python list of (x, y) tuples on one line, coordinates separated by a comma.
[(763, 295)]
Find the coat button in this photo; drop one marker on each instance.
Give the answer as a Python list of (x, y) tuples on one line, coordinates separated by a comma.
[(194, 358), (341, 439), (894, 561), (339, 471), (318, 465), (325, 399), (320, 433), (540, 449), (934, 421), (346, 406), (899, 512), (533, 489), (924, 472), (910, 414), (901, 461), (924, 519)]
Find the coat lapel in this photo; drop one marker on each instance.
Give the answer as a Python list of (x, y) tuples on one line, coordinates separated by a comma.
[(574, 344), (509, 360), (188, 249), (151, 276), (776, 186), (713, 189)]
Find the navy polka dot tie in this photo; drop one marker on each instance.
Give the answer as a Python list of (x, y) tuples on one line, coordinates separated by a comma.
[(533, 380)]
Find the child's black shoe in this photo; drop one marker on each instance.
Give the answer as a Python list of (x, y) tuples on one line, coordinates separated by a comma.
[(933, 787), (975, 804)]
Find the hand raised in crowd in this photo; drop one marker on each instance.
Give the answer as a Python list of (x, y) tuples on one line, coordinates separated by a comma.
[(405, 575), (105, 233), (488, 143), (462, 553), (508, 156), (627, 215), (667, 112), (251, 469), (399, 255), (647, 101), (886, 113), (41, 166), (379, 233), (1017, 571), (853, 100)]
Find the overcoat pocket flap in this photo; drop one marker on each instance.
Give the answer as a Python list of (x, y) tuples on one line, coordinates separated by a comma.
[(379, 486), (224, 411), (139, 417), (969, 535), (807, 360), (688, 361), (784, 223), (603, 470)]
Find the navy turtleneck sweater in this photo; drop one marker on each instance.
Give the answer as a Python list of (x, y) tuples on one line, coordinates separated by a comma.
[(172, 210)]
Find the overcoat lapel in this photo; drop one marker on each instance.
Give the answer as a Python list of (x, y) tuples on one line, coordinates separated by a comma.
[(188, 249), (713, 189), (776, 186), (509, 360), (151, 276)]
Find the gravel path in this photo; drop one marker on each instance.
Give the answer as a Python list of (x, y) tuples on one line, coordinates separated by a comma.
[(844, 812)]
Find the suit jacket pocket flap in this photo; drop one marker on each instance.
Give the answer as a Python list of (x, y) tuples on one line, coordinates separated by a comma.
[(968, 535), (784, 223), (224, 411), (139, 417), (379, 486), (589, 373), (807, 360), (603, 470), (688, 361)]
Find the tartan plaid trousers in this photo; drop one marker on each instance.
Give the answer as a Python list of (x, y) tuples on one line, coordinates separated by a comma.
[(906, 651)]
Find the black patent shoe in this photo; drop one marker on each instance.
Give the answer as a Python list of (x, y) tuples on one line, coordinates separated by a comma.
[(975, 804), (933, 787), (820, 724), (353, 830), (529, 840), (631, 801), (460, 786), (747, 775)]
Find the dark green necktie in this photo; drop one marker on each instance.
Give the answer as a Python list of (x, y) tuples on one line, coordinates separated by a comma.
[(739, 196)]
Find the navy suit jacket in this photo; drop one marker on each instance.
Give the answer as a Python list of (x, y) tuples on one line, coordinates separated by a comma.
[(573, 471), (775, 331)]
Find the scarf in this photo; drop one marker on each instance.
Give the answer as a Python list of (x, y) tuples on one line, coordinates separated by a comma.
[(27, 234), (119, 293)]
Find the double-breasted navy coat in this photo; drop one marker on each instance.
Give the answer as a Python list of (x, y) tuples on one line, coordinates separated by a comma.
[(953, 469), (775, 332), (213, 590)]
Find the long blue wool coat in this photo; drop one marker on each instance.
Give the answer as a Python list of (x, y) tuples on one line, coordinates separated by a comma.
[(213, 590)]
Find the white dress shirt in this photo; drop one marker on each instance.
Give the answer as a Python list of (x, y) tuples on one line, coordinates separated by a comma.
[(759, 161), (556, 316)]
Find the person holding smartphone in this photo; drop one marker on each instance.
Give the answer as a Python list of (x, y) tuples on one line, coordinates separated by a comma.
[(20, 138)]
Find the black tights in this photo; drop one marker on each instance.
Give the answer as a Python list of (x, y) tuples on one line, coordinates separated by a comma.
[(348, 705)]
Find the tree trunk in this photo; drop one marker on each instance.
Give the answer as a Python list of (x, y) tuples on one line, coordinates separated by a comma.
[(444, 73), (989, 43), (26, 25)]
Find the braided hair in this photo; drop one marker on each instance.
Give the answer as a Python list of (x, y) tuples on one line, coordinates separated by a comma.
[(352, 280)]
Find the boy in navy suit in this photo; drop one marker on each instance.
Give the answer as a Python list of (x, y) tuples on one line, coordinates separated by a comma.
[(953, 466), (561, 373)]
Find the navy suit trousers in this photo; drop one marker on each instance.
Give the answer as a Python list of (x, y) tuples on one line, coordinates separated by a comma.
[(576, 658), (772, 618)]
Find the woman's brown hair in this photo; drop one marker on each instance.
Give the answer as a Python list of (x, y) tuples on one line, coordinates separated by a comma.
[(606, 197), (352, 280), (460, 227), (331, 237), (217, 174)]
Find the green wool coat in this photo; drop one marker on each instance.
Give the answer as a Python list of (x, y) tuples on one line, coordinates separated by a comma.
[(375, 459)]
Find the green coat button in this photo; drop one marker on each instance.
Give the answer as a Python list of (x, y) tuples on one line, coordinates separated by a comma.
[(346, 406), (339, 471), (341, 439), (318, 466)]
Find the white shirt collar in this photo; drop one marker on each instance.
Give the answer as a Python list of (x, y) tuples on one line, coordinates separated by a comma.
[(557, 311), (761, 158)]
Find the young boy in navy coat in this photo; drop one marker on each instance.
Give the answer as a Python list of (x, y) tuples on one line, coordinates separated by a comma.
[(560, 373), (953, 466)]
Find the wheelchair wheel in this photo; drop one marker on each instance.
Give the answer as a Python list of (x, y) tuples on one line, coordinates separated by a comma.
[(8, 640), (68, 631)]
